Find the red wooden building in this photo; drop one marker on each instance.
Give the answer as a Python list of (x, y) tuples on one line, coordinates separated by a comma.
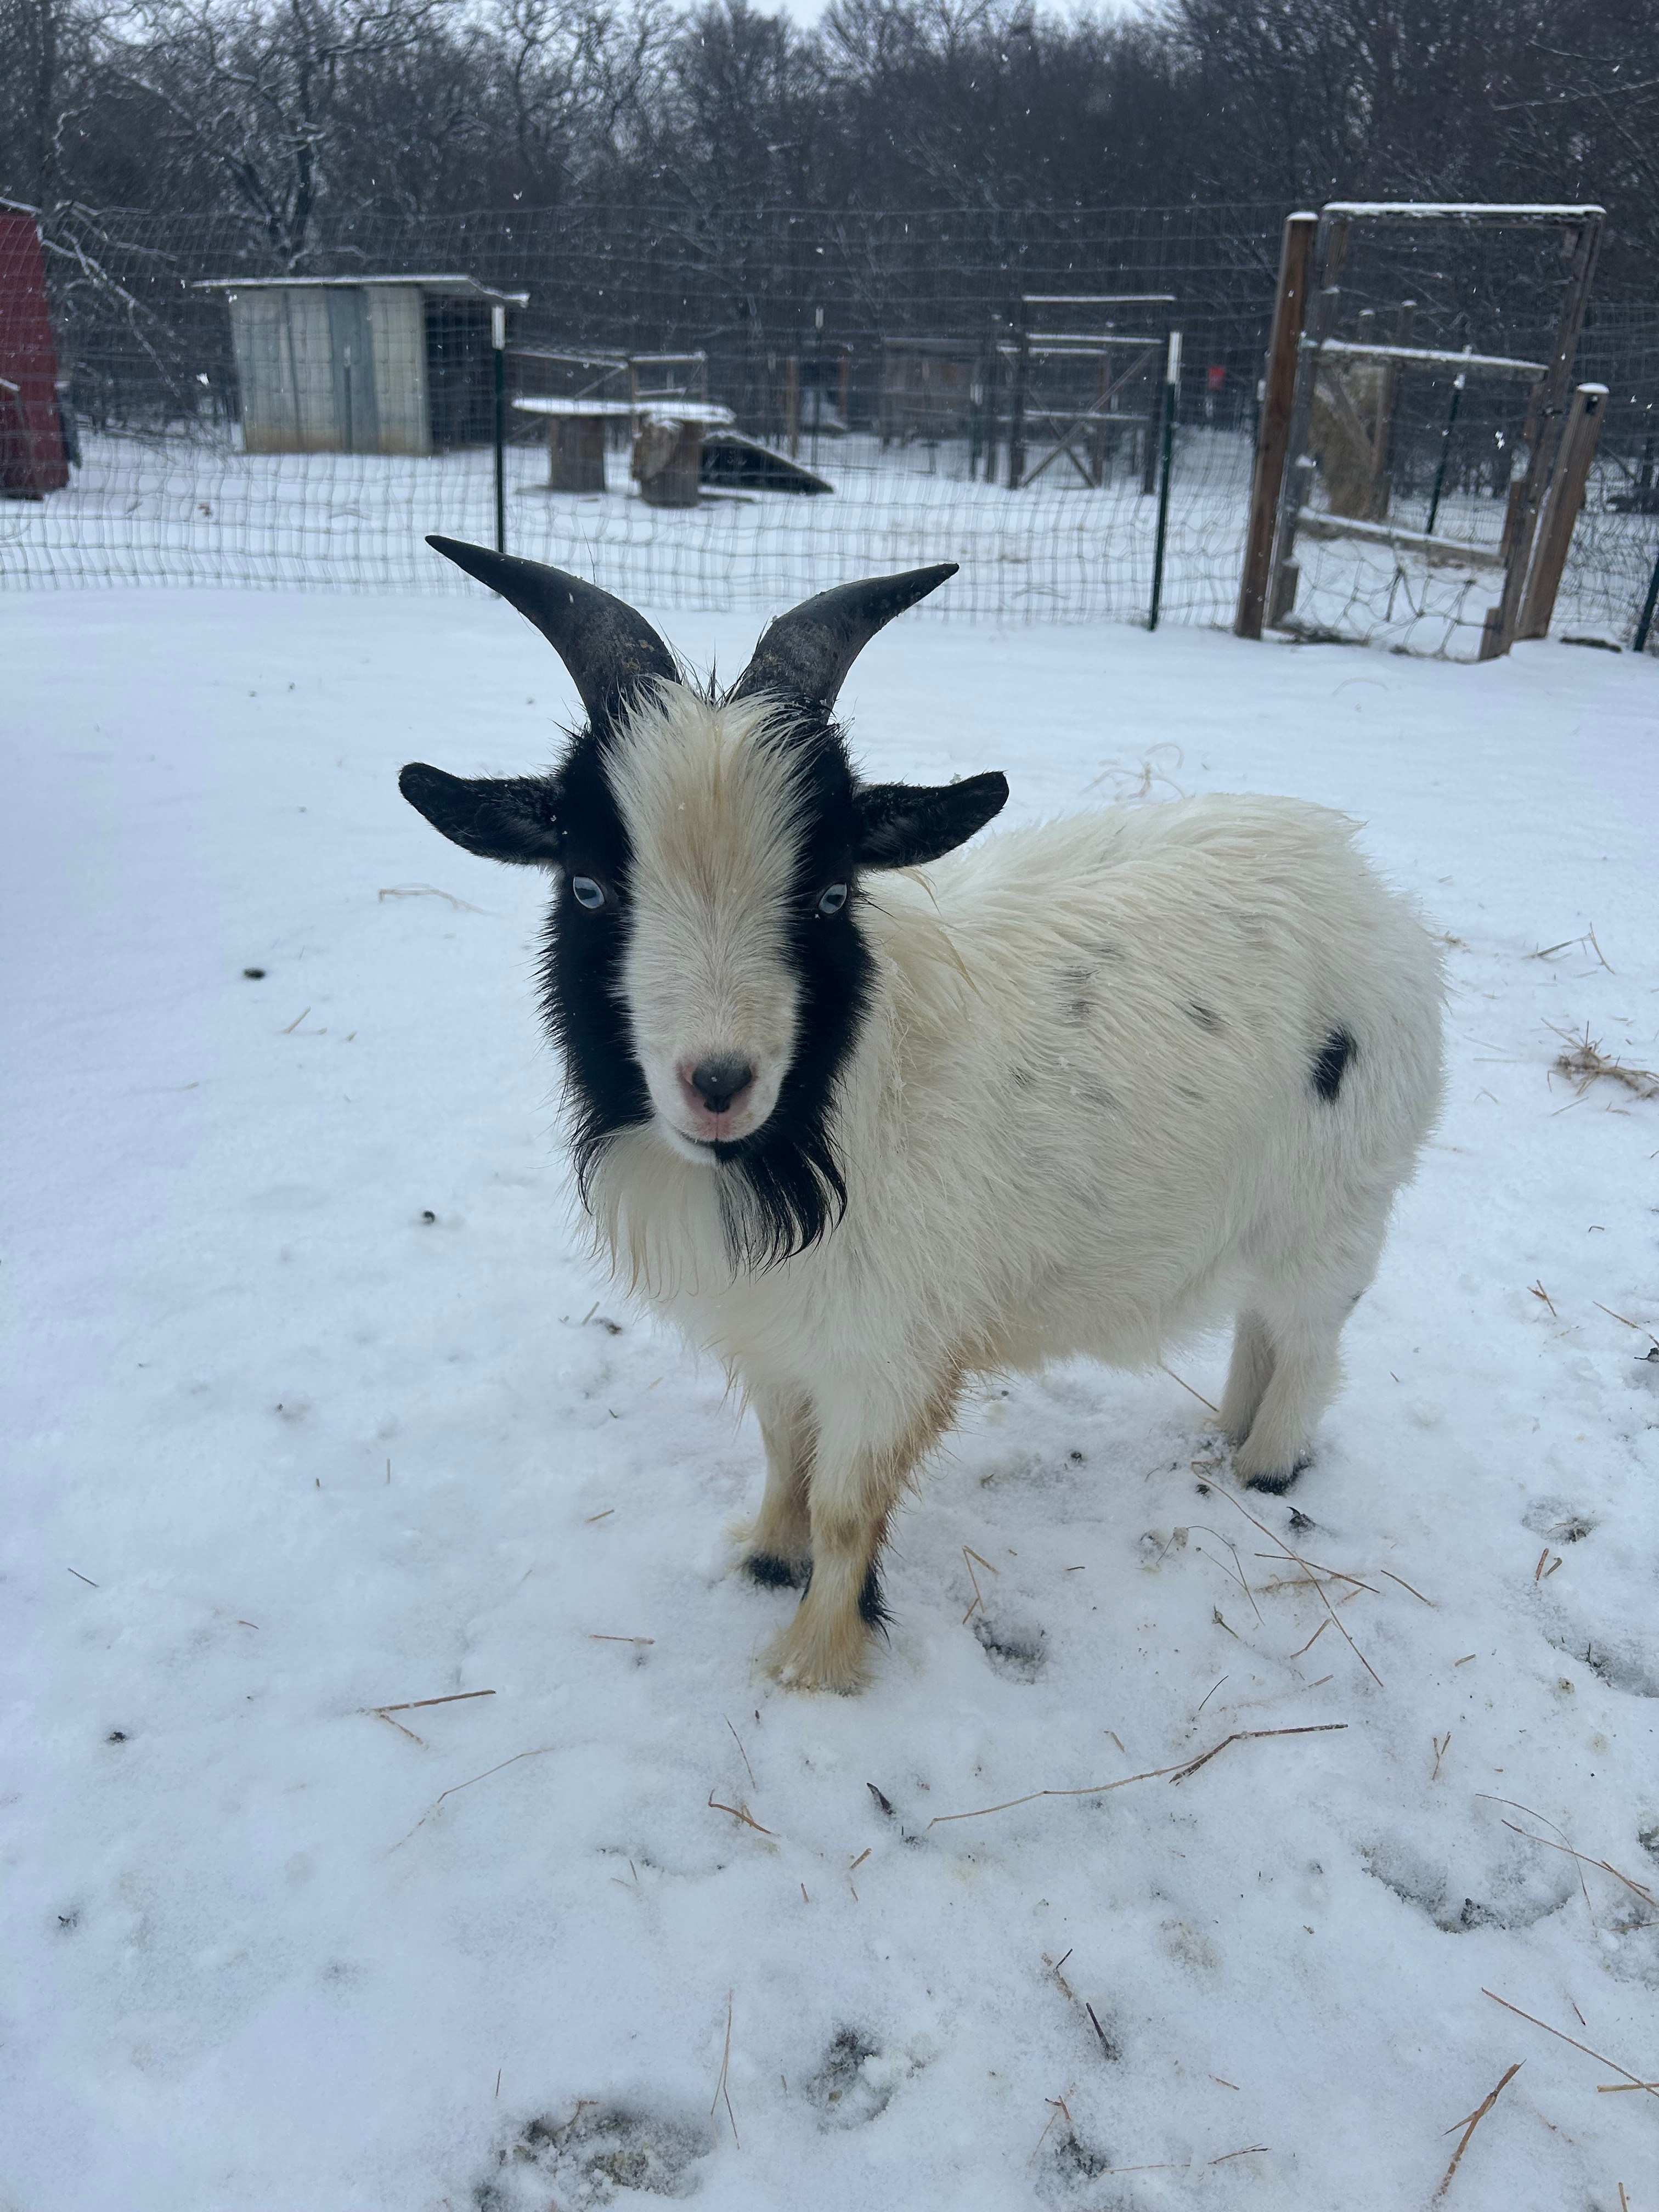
[(32, 461)]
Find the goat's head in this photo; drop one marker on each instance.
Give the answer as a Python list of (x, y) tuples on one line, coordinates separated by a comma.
[(706, 973)]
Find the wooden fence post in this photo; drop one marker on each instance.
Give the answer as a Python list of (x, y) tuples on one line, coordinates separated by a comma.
[(1273, 440), (1563, 501)]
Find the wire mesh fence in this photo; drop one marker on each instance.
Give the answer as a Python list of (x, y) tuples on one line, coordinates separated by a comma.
[(867, 393)]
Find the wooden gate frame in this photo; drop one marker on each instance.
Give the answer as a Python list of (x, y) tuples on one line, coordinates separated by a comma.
[(1147, 353), (1310, 267)]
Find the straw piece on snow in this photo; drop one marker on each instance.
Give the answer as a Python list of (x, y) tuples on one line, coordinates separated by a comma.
[(742, 1754), (1187, 1386), (1585, 1060), (541, 1752), (1533, 1814), (720, 2087), (1152, 1774), (1306, 1566), (1470, 2124), (1634, 2080), (1404, 1585), (1210, 1692), (1636, 1888), (741, 1813), (415, 1704)]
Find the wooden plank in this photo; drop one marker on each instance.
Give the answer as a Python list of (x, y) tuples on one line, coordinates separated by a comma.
[(1540, 433), (1098, 299), (1330, 251), (1274, 432), (1562, 503), (1437, 552), (1486, 364), (1498, 214)]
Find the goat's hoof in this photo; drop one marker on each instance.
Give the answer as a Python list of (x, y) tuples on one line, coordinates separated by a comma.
[(772, 1572), (1275, 1481), (812, 1662)]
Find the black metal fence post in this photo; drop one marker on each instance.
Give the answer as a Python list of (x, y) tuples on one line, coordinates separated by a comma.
[(1645, 626), (1171, 386), (498, 345)]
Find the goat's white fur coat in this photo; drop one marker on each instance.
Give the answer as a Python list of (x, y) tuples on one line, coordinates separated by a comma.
[(1079, 1118)]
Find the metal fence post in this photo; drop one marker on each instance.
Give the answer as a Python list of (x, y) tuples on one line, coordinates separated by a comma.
[(498, 345), (1645, 624), (1171, 388)]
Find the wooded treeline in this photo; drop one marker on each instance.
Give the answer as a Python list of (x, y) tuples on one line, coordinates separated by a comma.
[(296, 115)]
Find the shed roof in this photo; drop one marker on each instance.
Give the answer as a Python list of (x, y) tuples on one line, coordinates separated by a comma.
[(441, 287)]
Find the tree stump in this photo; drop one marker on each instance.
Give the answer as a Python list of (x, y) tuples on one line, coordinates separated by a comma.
[(576, 452), (667, 457)]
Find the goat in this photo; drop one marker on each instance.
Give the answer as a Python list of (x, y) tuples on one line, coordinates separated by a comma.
[(865, 1134)]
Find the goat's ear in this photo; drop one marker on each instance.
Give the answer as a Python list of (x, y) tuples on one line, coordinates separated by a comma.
[(510, 818), (903, 825)]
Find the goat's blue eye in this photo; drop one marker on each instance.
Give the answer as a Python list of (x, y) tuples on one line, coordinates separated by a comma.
[(833, 900), (588, 893)]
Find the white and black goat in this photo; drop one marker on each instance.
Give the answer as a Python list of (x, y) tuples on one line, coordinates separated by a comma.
[(864, 1134)]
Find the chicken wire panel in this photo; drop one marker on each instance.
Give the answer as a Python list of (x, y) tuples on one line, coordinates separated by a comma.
[(171, 510), (881, 355), (1610, 565), (879, 352)]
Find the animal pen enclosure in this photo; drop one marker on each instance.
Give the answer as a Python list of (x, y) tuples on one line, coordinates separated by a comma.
[(883, 357)]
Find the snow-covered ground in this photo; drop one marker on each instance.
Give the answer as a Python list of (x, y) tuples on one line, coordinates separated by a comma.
[(315, 1409)]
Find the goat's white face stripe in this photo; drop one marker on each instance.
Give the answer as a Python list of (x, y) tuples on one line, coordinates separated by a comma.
[(712, 812)]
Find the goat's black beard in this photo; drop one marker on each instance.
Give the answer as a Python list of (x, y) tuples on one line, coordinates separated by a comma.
[(780, 1194)]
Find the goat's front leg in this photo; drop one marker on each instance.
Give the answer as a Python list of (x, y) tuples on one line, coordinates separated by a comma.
[(855, 1483), (779, 1543)]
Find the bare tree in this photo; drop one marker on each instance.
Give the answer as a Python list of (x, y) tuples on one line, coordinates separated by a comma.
[(257, 94)]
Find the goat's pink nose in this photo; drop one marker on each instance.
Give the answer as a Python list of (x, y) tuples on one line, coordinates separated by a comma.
[(720, 1081)]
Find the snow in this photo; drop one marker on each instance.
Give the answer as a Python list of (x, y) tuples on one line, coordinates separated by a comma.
[(316, 1408)]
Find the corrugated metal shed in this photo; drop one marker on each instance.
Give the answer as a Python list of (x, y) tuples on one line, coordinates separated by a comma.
[(362, 364)]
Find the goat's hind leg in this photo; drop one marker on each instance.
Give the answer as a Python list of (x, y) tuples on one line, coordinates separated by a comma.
[(780, 1539), (1249, 1374), (1302, 1379)]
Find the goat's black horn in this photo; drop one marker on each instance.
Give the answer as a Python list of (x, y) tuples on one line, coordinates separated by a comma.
[(610, 650), (805, 654)]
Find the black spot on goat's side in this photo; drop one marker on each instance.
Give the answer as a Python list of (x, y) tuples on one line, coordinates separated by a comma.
[(1330, 1064), (1206, 1016)]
